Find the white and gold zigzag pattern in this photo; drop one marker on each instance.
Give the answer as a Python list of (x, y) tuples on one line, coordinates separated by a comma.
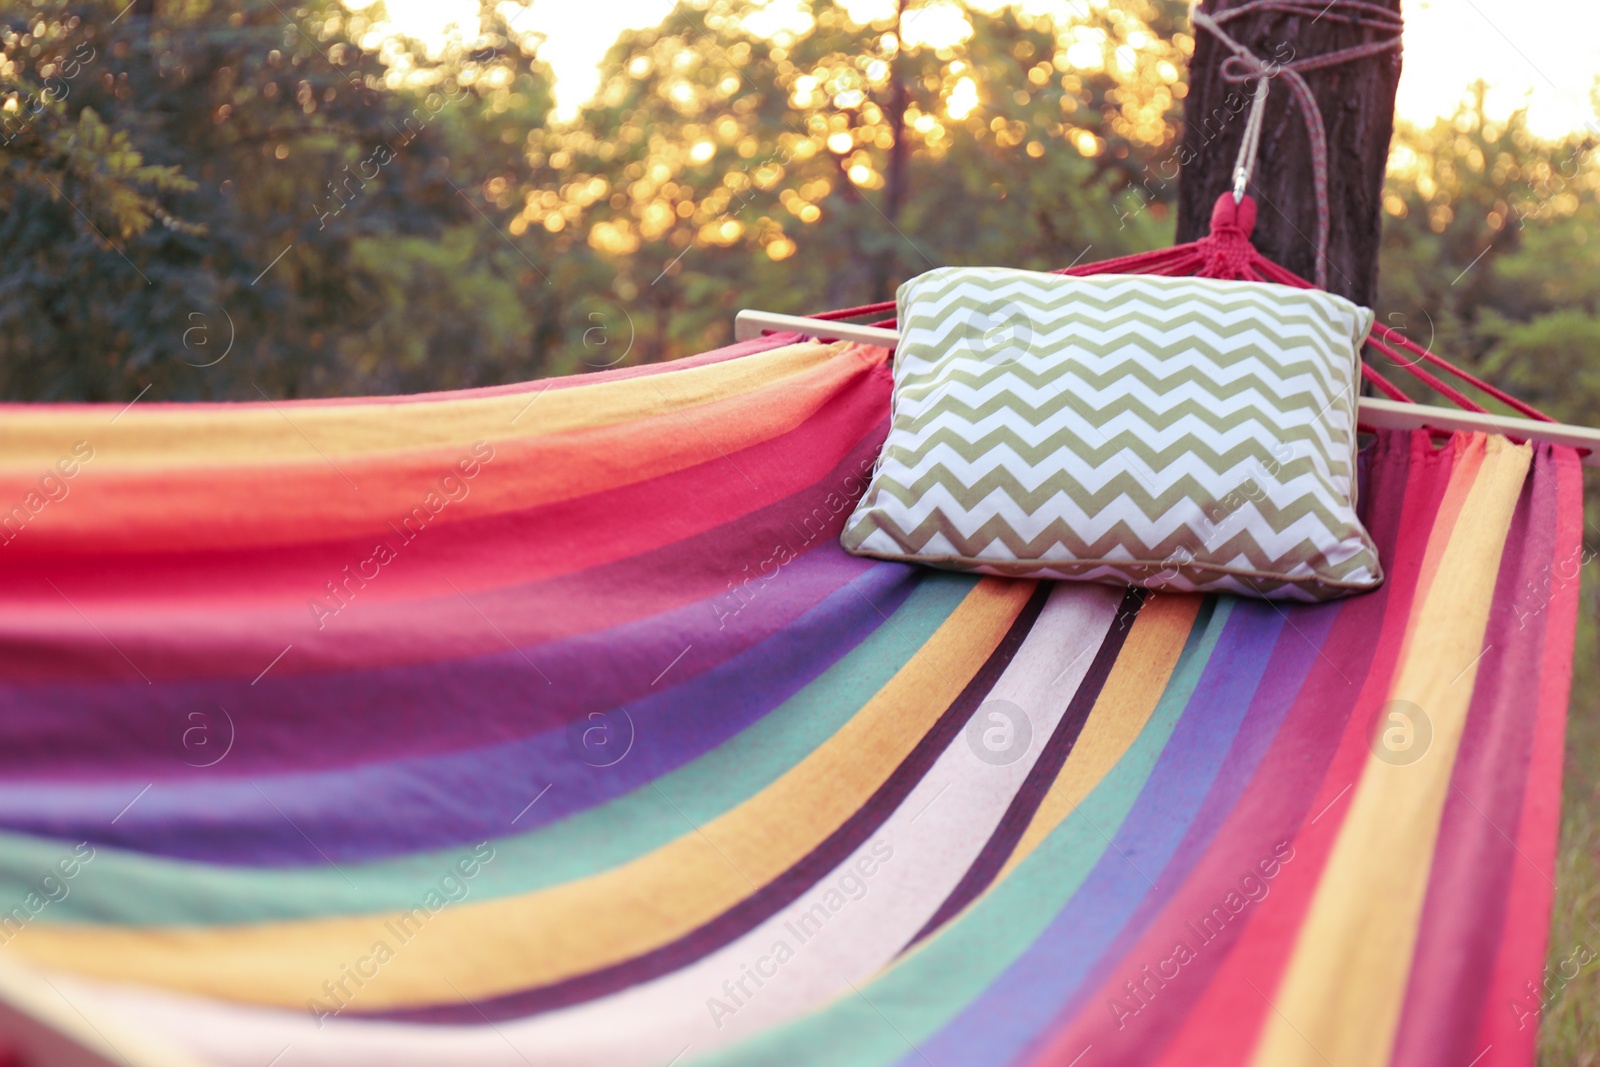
[(1187, 433)]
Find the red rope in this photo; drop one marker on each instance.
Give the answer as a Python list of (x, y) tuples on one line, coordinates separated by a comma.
[(850, 313), (1444, 388), (1383, 385), (1391, 336)]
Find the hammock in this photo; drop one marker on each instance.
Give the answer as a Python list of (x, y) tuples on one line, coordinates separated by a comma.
[(607, 754), (549, 724)]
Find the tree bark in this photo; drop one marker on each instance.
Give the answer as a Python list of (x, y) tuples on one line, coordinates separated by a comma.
[(1357, 104), (897, 176)]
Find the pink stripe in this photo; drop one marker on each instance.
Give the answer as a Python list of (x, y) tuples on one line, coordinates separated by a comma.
[(1510, 1033), (1464, 911)]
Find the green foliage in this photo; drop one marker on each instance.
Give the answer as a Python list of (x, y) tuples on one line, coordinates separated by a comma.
[(242, 177), (68, 153), (103, 172), (212, 180), (1487, 248)]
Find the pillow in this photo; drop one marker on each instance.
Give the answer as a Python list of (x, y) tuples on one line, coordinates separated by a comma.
[(1179, 433)]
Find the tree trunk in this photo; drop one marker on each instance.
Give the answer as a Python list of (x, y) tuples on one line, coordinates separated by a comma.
[(1357, 104), (899, 101), (897, 177)]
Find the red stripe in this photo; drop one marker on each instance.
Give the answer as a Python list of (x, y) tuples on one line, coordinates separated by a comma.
[(271, 501)]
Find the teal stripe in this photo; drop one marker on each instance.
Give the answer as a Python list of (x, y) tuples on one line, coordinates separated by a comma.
[(922, 992), (131, 888)]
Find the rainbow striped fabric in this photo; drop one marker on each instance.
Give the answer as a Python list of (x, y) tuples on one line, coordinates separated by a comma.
[(549, 724)]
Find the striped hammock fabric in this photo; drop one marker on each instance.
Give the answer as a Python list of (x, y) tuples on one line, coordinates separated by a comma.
[(549, 724)]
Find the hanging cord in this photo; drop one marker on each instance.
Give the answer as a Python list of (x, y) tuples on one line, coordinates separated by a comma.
[(1244, 65), (1250, 145)]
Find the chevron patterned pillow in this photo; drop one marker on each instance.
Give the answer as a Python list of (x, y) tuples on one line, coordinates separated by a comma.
[(1179, 433)]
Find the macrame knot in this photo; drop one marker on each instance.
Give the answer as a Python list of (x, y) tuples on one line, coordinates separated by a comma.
[(1231, 218), (1226, 251)]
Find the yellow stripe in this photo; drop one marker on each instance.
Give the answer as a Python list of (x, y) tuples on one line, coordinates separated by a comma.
[(515, 943), (1341, 996), (1126, 701), (207, 437)]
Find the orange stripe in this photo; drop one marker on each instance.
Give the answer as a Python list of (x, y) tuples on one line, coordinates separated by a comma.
[(1464, 468), (248, 434), (1470, 451)]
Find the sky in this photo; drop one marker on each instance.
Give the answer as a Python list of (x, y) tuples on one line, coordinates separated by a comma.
[(1544, 54)]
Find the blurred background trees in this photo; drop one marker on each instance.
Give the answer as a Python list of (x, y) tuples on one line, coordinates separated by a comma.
[(436, 230), (225, 199), (345, 215)]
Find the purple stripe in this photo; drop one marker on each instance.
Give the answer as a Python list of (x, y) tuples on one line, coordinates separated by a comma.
[(384, 809)]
